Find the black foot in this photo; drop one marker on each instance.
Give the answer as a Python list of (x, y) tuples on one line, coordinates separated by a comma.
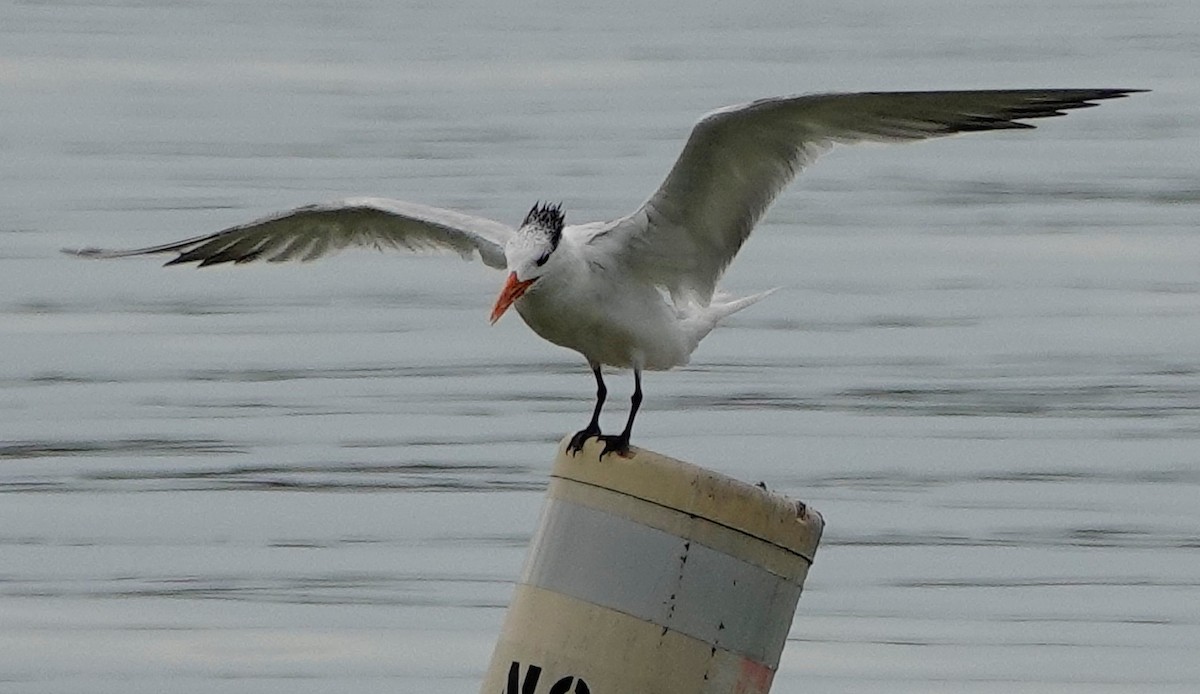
[(616, 444), (581, 438)]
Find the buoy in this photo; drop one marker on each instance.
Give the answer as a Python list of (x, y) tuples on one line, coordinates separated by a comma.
[(648, 575)]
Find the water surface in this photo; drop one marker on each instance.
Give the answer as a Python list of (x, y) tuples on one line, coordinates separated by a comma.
[(983, 366)]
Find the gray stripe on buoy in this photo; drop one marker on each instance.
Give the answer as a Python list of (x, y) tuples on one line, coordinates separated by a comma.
[(671, 581)]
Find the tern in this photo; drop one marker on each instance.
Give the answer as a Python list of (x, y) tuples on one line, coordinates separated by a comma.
[(638, 292)]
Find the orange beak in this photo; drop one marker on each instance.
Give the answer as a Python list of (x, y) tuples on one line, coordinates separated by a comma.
[(513, 289)]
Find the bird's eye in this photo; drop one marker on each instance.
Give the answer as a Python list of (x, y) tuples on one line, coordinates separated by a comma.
[(542, 260)]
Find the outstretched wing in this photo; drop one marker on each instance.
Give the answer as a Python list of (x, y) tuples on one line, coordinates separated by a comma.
[(738, 158), (307, 233)]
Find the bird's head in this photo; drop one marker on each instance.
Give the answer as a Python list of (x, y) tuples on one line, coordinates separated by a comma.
[(530, 253)]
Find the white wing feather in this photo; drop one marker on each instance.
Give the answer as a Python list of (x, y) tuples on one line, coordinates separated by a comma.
[(737, 159), (313, 231)]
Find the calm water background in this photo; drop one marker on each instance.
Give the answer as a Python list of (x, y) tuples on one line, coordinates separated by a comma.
[(984, 366)]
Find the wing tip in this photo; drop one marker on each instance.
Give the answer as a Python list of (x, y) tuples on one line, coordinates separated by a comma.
[(1122, 92), (91, 253), (1038, 104), (1087, 98)]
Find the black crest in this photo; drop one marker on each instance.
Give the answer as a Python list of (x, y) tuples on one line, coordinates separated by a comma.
[(547, 216)]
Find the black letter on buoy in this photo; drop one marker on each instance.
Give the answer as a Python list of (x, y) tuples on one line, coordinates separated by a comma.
[(515, 686), (563, 686)]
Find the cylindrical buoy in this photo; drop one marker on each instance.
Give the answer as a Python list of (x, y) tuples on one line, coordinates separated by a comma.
[(648, 575)]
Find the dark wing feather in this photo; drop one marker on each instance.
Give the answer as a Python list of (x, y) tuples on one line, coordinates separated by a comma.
[(308, 233)]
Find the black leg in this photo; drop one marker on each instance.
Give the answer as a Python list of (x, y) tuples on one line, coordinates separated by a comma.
[(620, 444), (593, 427)]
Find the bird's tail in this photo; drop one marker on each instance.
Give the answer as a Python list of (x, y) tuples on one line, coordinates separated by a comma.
[(699, 320)]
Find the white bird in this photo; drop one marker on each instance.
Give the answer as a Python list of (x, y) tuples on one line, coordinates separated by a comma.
[(637, 292)]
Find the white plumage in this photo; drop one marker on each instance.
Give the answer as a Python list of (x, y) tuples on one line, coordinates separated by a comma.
[(637, 292)]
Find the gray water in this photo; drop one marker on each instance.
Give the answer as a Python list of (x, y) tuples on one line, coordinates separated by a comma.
[(983, 366)]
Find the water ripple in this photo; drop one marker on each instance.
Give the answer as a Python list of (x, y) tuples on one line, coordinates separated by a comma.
[(137, 447), (342, 588), (432, 476)]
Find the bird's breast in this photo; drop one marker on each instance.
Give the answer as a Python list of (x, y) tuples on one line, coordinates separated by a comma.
[(615, 328)]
